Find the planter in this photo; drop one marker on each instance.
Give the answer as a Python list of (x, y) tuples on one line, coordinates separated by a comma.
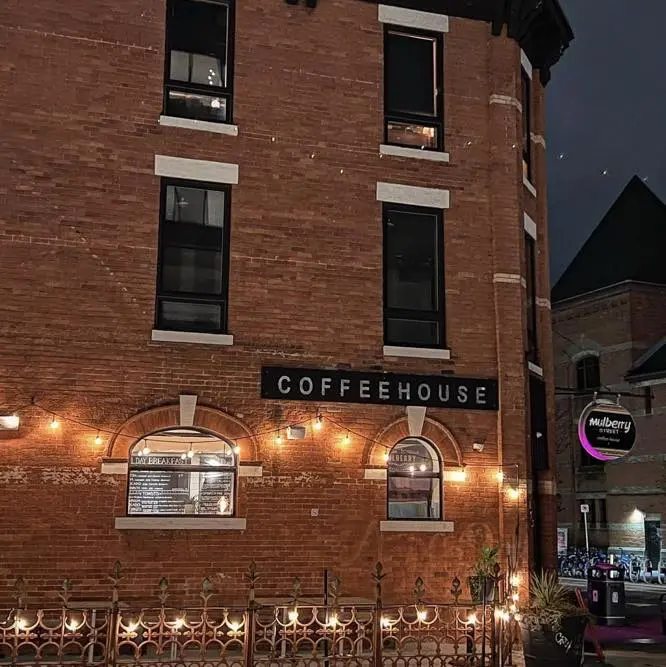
[(482, 589), (564, 648)]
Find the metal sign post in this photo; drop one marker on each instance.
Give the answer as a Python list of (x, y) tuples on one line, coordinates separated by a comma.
[(585, 509)]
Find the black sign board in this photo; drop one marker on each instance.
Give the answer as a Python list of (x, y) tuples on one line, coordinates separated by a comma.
[(606, 430), (342, 386)]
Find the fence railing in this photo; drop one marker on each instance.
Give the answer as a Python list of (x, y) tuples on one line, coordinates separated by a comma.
[(457, 633)]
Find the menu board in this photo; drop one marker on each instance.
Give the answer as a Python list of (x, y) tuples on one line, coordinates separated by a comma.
[(158, 491), (217, 486)]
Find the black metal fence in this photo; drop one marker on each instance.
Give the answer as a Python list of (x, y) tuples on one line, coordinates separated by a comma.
[(421, 633)]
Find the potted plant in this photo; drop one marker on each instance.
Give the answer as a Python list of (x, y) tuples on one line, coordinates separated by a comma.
[(553, 628), (481, 583)]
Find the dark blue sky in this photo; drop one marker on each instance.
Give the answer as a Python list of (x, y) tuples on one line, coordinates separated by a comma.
[(606, 111)]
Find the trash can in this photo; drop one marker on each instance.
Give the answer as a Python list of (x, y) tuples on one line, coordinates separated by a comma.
[(605, 594)]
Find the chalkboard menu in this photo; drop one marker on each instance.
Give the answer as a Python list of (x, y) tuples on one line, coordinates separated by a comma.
[(216, 485), (158, 491)]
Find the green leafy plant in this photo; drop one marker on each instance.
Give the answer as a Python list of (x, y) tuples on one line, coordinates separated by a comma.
[(485, 563), (549, 604)]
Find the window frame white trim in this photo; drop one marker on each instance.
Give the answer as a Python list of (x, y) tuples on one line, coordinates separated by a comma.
[(413, 18), (194, 337), (202, 125), (416, 153), (526, 182), (417, 352), (526, 64), (411, 195), (415, 526), (535, 368), (179, 523), (530, 226), (207, 171)]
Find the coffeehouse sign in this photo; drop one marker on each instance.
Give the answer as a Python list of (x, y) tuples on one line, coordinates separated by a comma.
[(342, 386), (606, 430)]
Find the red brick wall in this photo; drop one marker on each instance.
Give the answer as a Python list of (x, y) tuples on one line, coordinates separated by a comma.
[(80, 95)]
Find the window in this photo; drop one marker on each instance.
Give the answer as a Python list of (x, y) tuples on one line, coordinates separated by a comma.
[(414, 481), (588, 376), (199, 60), (526, 102), (412, 88), (413, 276), (181, 471), (530, 300), (193, 257)]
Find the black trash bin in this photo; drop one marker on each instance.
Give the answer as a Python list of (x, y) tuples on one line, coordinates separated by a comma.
[(605, 594)]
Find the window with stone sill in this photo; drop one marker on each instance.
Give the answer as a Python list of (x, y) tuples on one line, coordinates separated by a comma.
[(182, 472), (199, 53), (414, 481), (413, 99), (526, 102)]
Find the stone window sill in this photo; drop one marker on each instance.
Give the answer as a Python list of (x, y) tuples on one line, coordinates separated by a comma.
[(178, 523), (533, 368), (529, 186), (161, 336), (416, 526), (416, 352), (417, 153), (203, 125)]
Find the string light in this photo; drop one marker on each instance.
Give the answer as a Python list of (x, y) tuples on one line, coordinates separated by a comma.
[(318, 423), (346, 440), (236, 450), (278, 438), (183, 456), (145, 451), (54, 424), (98, 439), (190, 453), (514, 493), (499, 475)]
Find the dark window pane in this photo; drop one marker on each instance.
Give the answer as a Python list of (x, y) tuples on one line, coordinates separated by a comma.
[(195, 205), (412, 332), (526, 101), (193, 105), (183, 316), (411, 261), (196, 68), (587, 373), (411, 134), (199, 28), (531, 314), (192, 270), (410, 74)]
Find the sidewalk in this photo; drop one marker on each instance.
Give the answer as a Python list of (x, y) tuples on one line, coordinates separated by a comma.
[(627, 659), (628, 585)]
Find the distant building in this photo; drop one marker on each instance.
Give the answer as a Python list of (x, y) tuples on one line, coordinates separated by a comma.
[(609, 328)]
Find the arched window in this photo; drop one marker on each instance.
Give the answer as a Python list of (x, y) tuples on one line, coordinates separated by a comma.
[(182, 471), (588, 375), (414, 478)]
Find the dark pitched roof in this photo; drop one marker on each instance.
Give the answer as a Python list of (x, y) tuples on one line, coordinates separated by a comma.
[(650, 365), (628, 244)]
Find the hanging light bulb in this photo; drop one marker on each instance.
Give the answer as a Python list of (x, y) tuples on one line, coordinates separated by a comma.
[(318, 423), (54, 424), (499, 475), (183, 457), (386, 456), (190, 453), (236, 450), (346, 440), (278, 439), (146, 450), (98, 440)]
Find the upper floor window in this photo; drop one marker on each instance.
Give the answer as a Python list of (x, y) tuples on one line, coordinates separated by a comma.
[(192, 279), (199, 59), (588, 376), (181, 471), (530, 301), (413, 276), (412, 88), (414, 481), (526, 102)]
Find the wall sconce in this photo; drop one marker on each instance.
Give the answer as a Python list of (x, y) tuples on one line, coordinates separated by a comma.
[(9, 422)]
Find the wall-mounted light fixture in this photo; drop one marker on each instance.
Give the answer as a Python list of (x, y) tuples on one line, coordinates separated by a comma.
[(9, 422)]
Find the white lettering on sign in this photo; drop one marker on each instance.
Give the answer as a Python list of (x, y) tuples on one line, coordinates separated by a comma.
[(423, 392), (344, 386), (607, 422), (615, 597), (325, 385), (364, 388), (481, 395), (584, 509), (306, 382), (462, 394), (595, 596), (284, 384), (403, 391), (384, 391), (563, 640)]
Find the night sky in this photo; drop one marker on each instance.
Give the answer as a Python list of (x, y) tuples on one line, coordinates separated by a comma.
[(606, 111)]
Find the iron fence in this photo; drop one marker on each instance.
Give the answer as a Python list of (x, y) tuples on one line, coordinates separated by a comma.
[(421, 633)]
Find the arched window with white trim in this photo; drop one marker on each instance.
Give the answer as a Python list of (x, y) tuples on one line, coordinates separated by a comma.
[(182, 471), (414, 481)]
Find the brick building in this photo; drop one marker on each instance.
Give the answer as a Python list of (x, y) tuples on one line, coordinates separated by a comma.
[(284, 298), (609, 319)]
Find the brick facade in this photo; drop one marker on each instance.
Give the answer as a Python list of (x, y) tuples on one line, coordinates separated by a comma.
[(619, 324), (81, 96)]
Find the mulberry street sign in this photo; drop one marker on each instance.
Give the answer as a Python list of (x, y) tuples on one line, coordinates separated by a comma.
[(606, 430), (342, 386)]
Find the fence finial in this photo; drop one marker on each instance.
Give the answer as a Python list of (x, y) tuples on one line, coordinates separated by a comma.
[(251, 576), (164, 591), (296, 590), (456, 589), (377, 577), (66, 590), (20, 588), (206, 590), (334, 589)]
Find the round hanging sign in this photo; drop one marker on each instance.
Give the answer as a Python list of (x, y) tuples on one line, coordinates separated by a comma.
[(606, 430)]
